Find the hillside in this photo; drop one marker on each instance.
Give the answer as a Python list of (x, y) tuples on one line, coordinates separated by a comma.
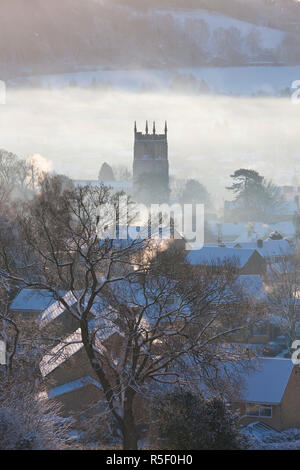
[(43, 37), (278, 14)]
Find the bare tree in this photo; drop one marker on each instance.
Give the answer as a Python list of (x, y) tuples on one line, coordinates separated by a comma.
[(116, 291), (284, 296), (13, 172)]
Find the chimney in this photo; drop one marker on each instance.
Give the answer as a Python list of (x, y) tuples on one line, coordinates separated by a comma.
[(260, 243)]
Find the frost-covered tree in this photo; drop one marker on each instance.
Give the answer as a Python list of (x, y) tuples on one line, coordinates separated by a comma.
[(28, 422)]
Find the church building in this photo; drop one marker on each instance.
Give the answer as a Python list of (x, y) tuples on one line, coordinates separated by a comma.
[(151, 156)]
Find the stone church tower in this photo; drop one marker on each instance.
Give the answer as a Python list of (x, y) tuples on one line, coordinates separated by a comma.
[(151, 155)]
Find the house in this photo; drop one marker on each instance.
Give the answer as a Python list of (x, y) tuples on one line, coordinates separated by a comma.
[(246, 261), (264, 390), (29, 303), (44, 310), (69, 376), (66, 370), (72, 381), (250, 288), (273, 251), (56, 318), (271, 393), (74, 394)]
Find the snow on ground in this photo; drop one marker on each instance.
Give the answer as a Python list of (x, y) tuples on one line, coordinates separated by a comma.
[(272, 440), (271, 38), (225, 80)]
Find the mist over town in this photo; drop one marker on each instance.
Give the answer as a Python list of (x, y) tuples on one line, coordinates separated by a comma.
[(149, 227)]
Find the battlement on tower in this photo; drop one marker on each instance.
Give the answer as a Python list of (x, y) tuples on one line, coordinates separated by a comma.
[(148, 137), (150, 146)]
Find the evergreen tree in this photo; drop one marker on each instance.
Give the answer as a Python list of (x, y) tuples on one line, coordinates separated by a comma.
[(106, 173), (256, 198), (187, 421), (195, 192)]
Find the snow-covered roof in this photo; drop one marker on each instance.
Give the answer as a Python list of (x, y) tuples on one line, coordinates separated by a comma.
[(215, 255), (71, 387), (244, 287), (60, 353), (259, 430), (33, 299), (267, 384), (270, 248), (124, 237), (55, 309), (251, 286), (73, 344), (254, 380)]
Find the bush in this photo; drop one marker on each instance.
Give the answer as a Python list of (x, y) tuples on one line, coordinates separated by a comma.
[(183, 420)]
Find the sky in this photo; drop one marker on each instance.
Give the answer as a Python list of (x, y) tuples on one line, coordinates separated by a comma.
[(77, 129)]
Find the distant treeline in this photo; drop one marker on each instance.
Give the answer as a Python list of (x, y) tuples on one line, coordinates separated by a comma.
[(277, 14)]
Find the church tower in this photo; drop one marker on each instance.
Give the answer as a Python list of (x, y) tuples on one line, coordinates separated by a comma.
[(151, 155)]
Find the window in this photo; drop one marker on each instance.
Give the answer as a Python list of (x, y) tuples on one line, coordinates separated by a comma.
[(255, 409), (265, 411), (252, 409)]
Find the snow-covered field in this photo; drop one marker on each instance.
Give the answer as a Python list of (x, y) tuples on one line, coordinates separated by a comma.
[(227, 80), (271, 38)]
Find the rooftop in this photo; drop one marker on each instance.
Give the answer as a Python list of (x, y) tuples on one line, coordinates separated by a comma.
[(267, 384), (72, 386), (269, 248), (32, 299), (215, 255)]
